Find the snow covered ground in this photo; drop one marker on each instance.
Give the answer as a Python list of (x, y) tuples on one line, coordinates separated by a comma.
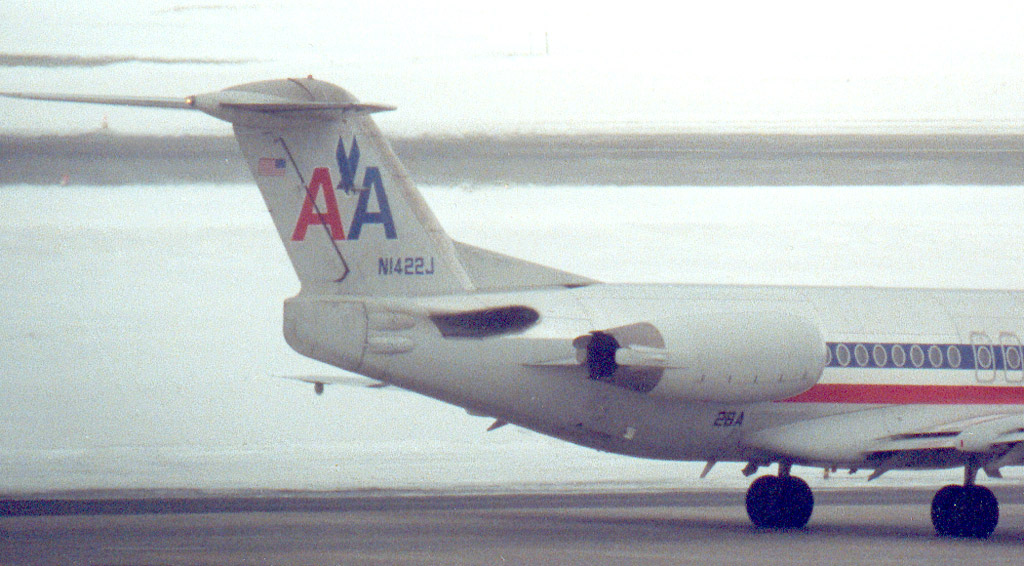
[(141, 327)]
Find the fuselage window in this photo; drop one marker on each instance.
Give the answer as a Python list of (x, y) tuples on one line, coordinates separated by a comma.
[(1010, 348), (828, 356), (861, 353), (878, 353), (843, 355), (899, 355), (1012, 356), (953, 355), (984, 357), (935, 356), (917, 355)]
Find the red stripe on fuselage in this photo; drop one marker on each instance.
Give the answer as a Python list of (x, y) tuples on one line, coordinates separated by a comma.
[(911, 394)]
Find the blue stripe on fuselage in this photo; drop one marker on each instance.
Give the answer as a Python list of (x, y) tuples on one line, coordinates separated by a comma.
[(971, 357)]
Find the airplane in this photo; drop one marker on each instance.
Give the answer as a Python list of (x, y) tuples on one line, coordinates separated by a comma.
[(860, 378)]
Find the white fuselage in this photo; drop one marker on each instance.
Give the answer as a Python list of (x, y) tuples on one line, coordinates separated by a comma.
[(505, 376)]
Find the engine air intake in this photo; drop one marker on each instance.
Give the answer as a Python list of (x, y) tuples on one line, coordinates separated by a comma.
[(486, 322)]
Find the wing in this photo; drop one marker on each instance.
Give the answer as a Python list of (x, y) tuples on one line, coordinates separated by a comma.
[(878, 439)]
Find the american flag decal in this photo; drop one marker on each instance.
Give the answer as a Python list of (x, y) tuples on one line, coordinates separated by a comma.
[(270, 167)]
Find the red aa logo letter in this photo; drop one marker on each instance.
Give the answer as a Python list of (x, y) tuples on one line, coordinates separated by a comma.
[(329, 215)]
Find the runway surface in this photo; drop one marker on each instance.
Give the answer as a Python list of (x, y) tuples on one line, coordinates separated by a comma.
[(849, 526)]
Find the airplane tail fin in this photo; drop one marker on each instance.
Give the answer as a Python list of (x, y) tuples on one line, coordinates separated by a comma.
[(350, 219), (345, 209)]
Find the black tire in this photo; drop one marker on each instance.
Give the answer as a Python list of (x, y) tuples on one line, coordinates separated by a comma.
[(779, 503), (965, 512), (797, 503), (762, 502), (943, 509), (984, 512)]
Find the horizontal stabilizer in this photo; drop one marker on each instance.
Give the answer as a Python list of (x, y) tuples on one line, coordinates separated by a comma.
[(208, 102), (272, 107), (159, 102)]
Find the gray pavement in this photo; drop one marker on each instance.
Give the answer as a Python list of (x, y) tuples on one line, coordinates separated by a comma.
[(855, 526)]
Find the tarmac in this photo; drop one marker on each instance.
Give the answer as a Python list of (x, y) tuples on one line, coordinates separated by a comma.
[(849, 526)]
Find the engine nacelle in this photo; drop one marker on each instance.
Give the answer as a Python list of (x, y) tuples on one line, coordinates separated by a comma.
[(721, 357)]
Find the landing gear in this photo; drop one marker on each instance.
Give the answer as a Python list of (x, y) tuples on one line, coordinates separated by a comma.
[(965, 511), (780, 502)]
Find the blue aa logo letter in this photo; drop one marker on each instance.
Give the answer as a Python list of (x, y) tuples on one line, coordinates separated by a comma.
[(327, 213)]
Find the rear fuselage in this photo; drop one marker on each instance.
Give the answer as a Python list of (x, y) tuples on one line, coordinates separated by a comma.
[(961, 357)]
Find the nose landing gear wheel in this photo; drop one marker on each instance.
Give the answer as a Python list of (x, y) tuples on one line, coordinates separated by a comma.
[(779, 502)]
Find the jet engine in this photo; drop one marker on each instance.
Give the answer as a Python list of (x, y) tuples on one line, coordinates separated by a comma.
[(722, 357)]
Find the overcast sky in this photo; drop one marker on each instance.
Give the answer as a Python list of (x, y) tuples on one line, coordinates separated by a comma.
[(457, 66)]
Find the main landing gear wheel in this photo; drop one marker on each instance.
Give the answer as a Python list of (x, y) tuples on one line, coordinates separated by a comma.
[(779, 502), (965, 511)]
